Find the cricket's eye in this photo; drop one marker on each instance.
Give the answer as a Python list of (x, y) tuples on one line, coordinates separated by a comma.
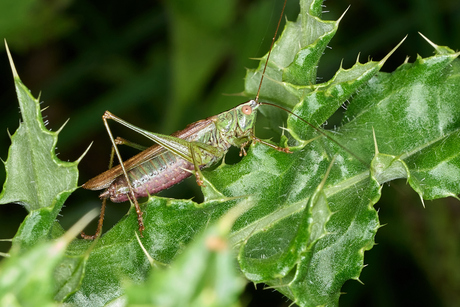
[(246, 110)]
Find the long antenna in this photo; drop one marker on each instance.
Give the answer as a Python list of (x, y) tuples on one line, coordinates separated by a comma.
[(319, 130), (270, 51), (290, 112)]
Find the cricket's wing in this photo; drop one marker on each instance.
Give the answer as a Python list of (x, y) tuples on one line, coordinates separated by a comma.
[(190, 133)]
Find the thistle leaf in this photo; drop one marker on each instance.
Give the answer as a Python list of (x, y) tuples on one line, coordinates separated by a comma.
[(36, 178)]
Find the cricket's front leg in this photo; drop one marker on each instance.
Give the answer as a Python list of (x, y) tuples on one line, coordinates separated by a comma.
[(282, 149), (131, 196), (196, 159), (242, 148)]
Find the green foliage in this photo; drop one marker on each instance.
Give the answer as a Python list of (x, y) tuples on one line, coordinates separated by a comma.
[(208, 264), (300, 222), (36, 178), (27, 279), (32, 16)]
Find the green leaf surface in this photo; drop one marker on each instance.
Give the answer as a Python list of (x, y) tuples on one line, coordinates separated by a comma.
[(419, 100), (36, 178), (27, 280), (117, 255), (205, 274)]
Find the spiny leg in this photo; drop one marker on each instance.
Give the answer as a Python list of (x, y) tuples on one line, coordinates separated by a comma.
[(99, 224), (198, 174), (104, 202), (118, 141), (131, 195), (242, 148), (282, 149)]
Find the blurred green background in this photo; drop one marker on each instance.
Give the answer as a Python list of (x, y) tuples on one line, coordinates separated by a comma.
[(163, 65)]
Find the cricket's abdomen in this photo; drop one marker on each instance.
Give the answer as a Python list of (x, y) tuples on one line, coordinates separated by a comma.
[(150, 177)]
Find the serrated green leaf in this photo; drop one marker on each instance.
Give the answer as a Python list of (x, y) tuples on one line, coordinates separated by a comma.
[(36, 178), (415, 116)]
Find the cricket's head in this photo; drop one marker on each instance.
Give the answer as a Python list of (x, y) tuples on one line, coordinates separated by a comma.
[(246, 115)]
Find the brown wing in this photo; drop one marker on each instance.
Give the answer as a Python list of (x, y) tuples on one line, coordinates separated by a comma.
[(104, 180)]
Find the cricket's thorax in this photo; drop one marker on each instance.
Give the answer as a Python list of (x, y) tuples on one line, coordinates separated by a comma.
[(235, 126)]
